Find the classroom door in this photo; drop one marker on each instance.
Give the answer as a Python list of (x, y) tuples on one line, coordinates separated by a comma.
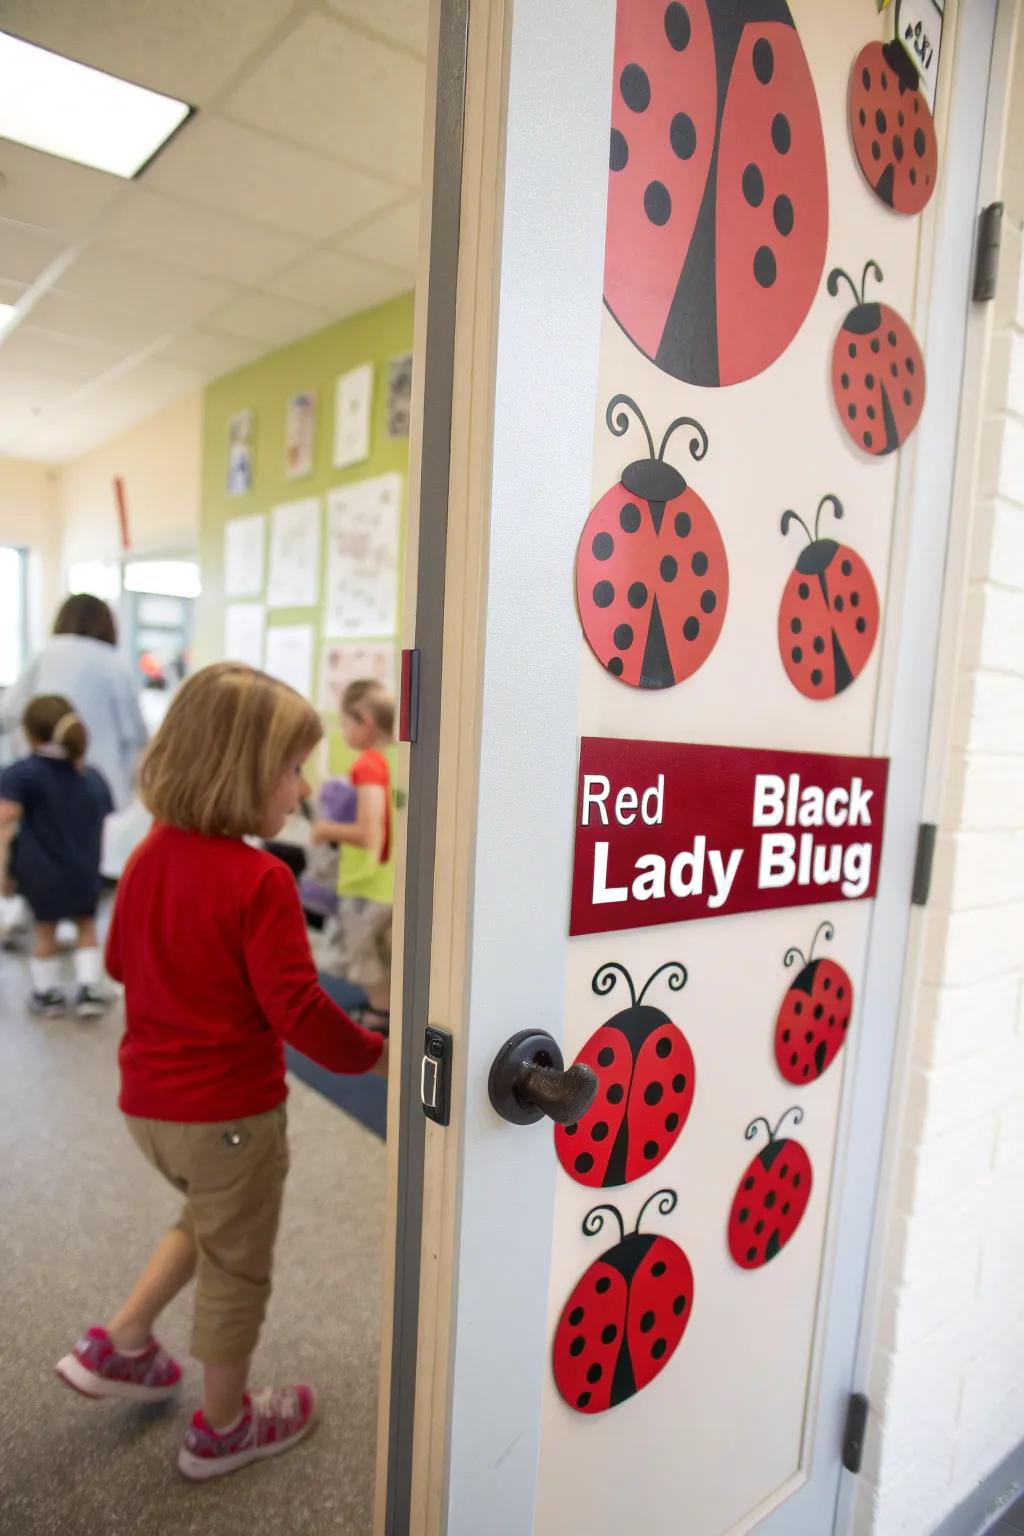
[(731, 295)]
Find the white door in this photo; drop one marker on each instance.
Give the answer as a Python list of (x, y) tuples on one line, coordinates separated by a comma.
[(653, 625)]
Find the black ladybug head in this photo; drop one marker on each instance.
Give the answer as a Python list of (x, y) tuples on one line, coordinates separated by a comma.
[(863, 318), (820, 553), (632, 1248), (776, 1139), (651, 478), (638, 1020), (902, 66), (804, 982)]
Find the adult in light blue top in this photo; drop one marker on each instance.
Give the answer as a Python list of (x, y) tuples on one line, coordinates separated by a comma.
[(82, 662)]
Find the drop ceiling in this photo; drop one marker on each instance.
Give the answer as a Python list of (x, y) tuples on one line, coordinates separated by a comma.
[(287, 202)]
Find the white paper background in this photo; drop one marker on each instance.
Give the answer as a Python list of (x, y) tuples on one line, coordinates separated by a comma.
[(362, 558), (244, 539), (244, 625), (294, 579), (289, 656), (353, 403), (345, 661)]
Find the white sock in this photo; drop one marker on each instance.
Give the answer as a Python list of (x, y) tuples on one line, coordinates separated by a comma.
[(225, 1429), (88, 967), (45, 973)]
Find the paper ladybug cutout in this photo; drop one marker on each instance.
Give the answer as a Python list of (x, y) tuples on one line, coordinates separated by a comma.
[(877, 371), (623, 1322), (828, 617), (811, 1028), (646, 1080), (772, 1195), (892, 128), (652, 579), (717, 188)]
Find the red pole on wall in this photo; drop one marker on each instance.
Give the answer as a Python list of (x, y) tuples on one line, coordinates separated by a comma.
[(122, 512)]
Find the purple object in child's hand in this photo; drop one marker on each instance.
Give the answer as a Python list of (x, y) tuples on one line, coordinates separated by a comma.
[(337, 801)]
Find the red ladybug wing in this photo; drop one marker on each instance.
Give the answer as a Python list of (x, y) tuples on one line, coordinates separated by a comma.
[(902, 371), (652, 584), (772, 213), (853, 598), (659, 1099), (893, 133), (878, 379), (660, 1304), (663, 133), (812, 1022), (584, 1149), (589, 1337), (769, 1203), (805, 637)]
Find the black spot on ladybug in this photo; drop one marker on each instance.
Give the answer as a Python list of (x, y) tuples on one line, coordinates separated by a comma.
[(910, 365), (769, 1199), (861, 626), (578, 1344), (906, 397), (679, 1083), (605, 1056), (897, 148), (816, 678), (623, 637), (618, 157), (609, 1334), (616, 1093), (699, 563), (793, 1059), (669, 568), (635, 88), (785, 1035), (876, 345), (576, 1317), (691, 629), (744, 1213), (671, 1121), (751, 1255), (844, 379), (900, 119), (806, 1071), (891, 338), (797, 654), (653, 1093), (629, 517), (785, 1209), (677, 27), (840, 991), (765, 269), (679, 1306), (784, 1170), (763, 60), (851, 411), (604, 594), (584, 1163), (869, 380), (647, 1322), (759, 1228), (839, 605), (852, 349), (637, 595), (913, 177), (798, 1007), (594, 1374), (863, 117), (919, 142), (657, 1270), (885, 81), (795, 625), (819, 644), (804, 590), (683, 524), (602, 1285), (796, 1181), (682, 135), (865, 76), (658, 1348), (650, 1149), (847, 570), (663, 1047), (872, 413), (782, 134), (571, 1130), (657, 203), (748, 1183), (708, 601), (753, 186), (782, 213), (880, 122), (868, 439), (603, 546), (583, 1400), (876, 150), (894, 370), (809, 1036), (600, 1131), (615, 666)]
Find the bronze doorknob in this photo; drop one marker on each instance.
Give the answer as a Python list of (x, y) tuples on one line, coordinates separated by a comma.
[(527, 1082)]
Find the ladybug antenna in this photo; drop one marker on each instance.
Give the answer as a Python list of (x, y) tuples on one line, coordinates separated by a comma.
[(794, 517), (698, 445), (677, 979), (870, 266), (593, 1221), (667, 1201), (751, 1130), (793, 955), (833, 284), (825, 928), (837, 510), (797, 1114), (619, 425), (604, 980)]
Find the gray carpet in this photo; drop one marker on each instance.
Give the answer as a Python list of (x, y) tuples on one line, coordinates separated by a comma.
[(79, 1211)]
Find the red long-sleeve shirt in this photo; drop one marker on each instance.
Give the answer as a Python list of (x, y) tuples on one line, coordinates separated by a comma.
[(210, 942)]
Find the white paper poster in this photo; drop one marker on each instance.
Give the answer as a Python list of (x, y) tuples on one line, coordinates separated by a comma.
[(362, 558), (300, 434), (353, 402), (344, 661), (290, 656), (244, 624), (294, 580), (243, 555)]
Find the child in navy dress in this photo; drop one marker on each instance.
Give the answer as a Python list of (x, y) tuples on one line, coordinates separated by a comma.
[(52, 809)]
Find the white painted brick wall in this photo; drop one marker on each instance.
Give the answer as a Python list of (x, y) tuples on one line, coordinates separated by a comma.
[(947, 1379)]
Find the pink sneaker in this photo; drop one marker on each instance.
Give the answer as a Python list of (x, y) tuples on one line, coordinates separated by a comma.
[(273, 1419), (96, 1369)]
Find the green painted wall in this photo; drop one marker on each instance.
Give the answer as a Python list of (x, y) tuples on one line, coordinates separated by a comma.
[(265, 386)]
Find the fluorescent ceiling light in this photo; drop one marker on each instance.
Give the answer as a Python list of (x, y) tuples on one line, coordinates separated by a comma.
[(6, 311), (67, 109)]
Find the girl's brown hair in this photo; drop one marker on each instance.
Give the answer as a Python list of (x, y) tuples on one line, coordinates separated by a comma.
[(227, 738), (50, 721), (83, 614), (366, 697)]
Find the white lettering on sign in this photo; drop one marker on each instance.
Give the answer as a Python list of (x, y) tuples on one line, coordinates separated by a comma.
[(786, 860), (596, 790), (780, 802), (684, 876)]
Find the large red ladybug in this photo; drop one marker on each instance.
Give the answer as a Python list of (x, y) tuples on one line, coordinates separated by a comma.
[(828, 617), (810, 1030), (772, 1195), (652, 579), (718, 189), (877, 370), (646, 1079), (624, 1320), (892, 128)]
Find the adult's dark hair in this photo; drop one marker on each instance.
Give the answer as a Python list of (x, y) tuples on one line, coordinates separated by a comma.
[(88, 616)]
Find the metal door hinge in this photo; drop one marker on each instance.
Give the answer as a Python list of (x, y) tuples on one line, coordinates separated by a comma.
[(923, 862), (409, 697), (986, 262), (853, 1434)]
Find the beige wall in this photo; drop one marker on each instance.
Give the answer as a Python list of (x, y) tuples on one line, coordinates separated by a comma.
[(29, 517)]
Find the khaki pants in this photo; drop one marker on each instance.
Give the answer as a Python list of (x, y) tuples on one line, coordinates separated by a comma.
[(232, 1176)]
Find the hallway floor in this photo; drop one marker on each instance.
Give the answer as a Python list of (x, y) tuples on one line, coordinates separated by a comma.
[(79, 1211)]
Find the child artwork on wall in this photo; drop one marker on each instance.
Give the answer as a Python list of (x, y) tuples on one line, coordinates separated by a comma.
[(353, 404), (399, 395), (361, 601), (300, 432), (241, 435), (343, 662)]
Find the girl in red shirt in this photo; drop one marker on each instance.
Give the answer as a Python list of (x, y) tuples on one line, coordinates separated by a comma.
[(209, 940)]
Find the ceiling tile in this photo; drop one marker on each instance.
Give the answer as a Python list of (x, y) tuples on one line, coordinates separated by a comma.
[(392, 237), (341, 93), (343, 284), (403, 20), (163, 293), (68, 315), (55, 357), (269, 319), (185, 48), (230, 168), (157, 227), (211, 352), (26, 251), (51, 193)]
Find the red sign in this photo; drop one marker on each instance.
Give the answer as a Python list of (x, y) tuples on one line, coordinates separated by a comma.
[(667, 833)]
